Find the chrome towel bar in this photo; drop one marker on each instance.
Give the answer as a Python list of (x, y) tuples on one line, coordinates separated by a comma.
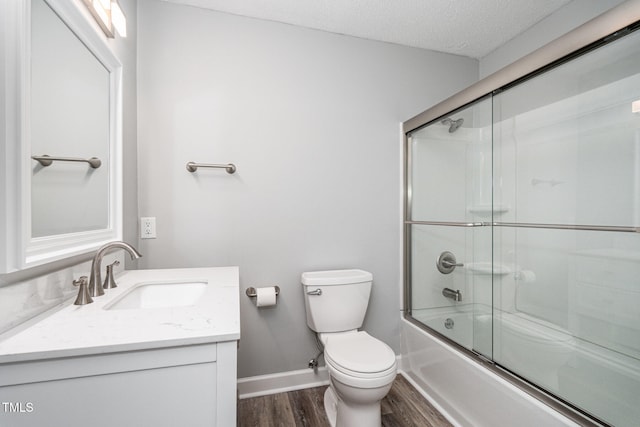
[(450, 224), (577, 227), (46, 160), (192, 166), (617, 228), (251, 292)]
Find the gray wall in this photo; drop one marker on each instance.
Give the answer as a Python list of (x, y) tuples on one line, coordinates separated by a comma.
[(561, 22), (126, 50), (311, 120)]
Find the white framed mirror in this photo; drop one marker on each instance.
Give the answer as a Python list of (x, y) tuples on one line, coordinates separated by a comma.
[(63, 181)]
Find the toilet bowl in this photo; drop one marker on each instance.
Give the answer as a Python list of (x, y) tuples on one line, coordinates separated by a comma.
[(361, 368), (361, 372)]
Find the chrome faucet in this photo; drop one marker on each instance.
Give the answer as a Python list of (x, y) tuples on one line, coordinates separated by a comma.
[(95, 280), (454, 295)]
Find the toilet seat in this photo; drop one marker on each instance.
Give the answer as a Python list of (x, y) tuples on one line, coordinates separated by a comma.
[(360, 360)]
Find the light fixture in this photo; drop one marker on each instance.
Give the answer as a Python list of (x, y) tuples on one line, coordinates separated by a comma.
[(118, 19), (635, 106), (108, 14)]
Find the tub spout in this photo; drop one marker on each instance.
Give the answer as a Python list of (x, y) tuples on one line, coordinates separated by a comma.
[(454, 295)]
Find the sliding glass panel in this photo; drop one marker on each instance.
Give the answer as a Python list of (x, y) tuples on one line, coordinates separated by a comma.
[(466, 319), (449, 221), (450, 173), (567, 155), (566, 317), (568, 141)]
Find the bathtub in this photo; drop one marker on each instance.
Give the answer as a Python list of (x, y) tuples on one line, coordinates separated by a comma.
[(466, 392), (457, 323), (471, 394)]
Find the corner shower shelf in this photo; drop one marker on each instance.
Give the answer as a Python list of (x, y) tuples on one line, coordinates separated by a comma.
[(488, 210), (485, 268)]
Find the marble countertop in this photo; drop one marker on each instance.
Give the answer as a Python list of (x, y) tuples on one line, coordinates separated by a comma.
[(90, 329)]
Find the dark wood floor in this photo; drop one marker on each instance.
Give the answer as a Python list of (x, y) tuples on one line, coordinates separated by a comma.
[(404, 406)]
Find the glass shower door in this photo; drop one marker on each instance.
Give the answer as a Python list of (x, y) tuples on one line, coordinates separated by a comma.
[(530, 200), (448, 213), (567, 166)]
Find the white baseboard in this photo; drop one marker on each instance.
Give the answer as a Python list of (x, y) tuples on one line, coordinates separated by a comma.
[(429, 398), (281, 382)]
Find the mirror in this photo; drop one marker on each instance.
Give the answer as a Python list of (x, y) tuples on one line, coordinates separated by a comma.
[(68, 135), (70, 120)]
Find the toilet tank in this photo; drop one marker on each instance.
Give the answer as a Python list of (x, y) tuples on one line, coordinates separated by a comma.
[(336, 300)]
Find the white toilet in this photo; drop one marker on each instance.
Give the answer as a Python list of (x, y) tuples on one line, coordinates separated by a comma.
[(361, 368)]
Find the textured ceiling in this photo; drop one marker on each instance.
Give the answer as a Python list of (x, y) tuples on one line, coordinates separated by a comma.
[(464, 27)]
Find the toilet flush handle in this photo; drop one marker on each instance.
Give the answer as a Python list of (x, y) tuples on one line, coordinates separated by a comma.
[(315, 292)]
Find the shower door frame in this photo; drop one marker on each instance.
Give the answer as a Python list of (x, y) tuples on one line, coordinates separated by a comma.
[(609, 26)]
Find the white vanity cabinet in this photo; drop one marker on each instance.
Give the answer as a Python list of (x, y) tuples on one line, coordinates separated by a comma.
[(180, 386), (96, 365)]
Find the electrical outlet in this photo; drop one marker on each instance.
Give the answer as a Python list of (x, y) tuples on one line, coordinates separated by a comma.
[(148, 227)]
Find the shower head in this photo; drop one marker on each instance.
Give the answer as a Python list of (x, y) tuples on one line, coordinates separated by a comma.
[(453, 124)]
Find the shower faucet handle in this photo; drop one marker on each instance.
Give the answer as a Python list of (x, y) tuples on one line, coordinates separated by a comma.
[(446, 262)]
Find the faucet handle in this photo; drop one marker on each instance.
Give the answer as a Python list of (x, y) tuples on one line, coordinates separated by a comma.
[(83, 293), (446, 262), (109, 281)]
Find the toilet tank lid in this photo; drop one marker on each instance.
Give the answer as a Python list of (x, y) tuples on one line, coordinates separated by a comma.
[(335, 277)]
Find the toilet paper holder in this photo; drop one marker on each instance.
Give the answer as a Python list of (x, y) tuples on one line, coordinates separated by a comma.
[(251, 292)]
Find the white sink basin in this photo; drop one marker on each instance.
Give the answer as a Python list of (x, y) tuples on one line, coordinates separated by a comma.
[(159, 295)]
